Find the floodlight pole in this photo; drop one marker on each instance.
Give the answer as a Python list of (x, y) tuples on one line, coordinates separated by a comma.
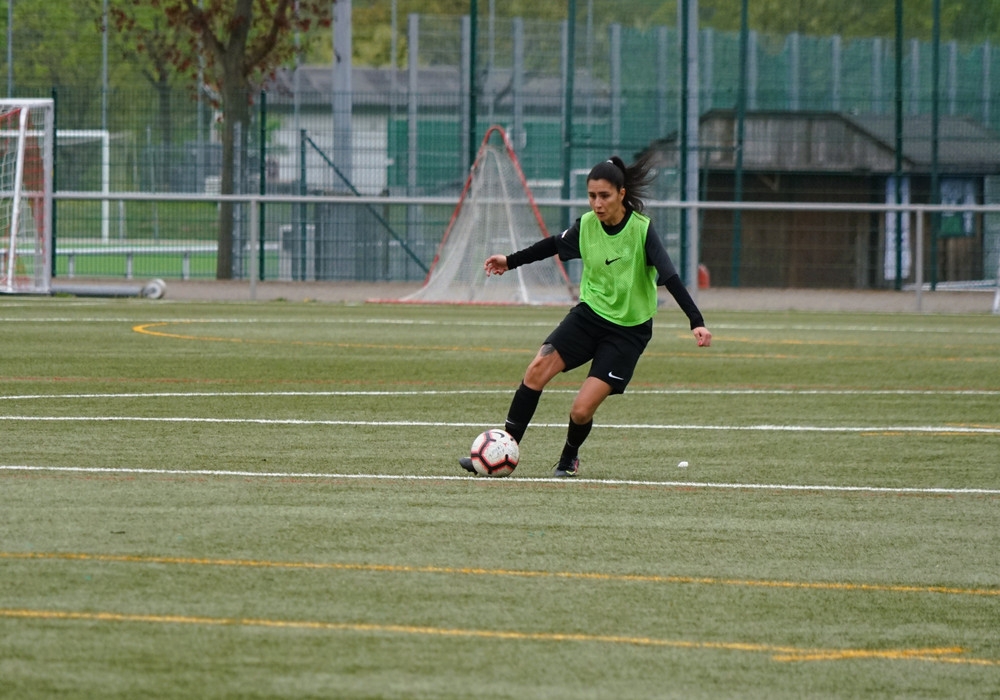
[(343, 89)]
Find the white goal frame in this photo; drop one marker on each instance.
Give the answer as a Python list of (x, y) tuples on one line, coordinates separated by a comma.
[(26, 207)]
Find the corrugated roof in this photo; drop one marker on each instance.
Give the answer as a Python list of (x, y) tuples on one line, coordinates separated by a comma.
[(962, 143), (833, 142), (439, 86)]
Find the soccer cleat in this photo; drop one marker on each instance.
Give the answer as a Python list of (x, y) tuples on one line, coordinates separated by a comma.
[(466, 464), (571, 469)]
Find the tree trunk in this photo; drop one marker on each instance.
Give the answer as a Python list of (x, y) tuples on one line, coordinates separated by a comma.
[(235, 111), (224, 260)]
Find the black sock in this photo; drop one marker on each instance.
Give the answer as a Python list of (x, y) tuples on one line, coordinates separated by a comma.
[(575, 435), (522, 408)]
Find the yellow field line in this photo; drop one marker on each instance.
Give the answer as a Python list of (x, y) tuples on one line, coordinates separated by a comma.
[(147, 329), (782, 341), (778, 653), (150, 330), (475, 571)]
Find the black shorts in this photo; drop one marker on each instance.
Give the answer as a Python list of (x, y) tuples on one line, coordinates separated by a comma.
[(615, 350)]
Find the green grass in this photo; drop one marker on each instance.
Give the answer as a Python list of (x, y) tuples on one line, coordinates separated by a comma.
[(145, 264), (136, 220), (263, 500)]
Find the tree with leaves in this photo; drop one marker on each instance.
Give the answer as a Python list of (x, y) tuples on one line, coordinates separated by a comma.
[(141, 35), (48, 49), (236, 45)]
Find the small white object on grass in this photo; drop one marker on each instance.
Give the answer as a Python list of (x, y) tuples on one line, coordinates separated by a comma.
[(682, 464)]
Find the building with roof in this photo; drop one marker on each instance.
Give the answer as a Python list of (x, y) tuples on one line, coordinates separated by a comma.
[(834, 157)]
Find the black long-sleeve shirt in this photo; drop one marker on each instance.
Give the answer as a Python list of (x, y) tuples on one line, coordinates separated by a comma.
[(567, 247)]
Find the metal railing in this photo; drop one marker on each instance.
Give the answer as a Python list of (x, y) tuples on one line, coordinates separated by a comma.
[(913, 218)]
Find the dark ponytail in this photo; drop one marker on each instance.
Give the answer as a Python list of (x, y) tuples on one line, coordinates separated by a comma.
[(635, 178)]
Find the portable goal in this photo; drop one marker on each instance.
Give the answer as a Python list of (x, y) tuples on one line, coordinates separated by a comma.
[(496, 213), (27, 129)]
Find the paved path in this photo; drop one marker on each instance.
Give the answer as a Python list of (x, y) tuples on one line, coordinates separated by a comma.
[(724, 299)]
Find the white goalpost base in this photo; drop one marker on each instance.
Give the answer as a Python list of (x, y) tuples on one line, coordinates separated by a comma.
[(154, 289), (27, 129)]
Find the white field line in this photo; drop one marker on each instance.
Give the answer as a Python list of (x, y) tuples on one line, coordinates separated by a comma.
[(955, 429), (466, 478), (663, 324), (466, 392), (939, 429)]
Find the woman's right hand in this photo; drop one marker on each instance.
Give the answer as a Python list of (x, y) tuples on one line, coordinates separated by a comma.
[(495, 265)]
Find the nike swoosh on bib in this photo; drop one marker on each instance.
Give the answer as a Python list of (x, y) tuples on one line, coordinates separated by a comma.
[(608, 262)]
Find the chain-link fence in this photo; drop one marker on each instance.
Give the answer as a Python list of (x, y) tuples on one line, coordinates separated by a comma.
[(818, 127)]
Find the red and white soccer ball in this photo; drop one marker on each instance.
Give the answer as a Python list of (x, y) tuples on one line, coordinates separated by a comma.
[(494, 453)]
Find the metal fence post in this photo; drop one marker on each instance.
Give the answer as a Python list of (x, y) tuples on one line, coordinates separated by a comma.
[(255, 264), (262, 189)]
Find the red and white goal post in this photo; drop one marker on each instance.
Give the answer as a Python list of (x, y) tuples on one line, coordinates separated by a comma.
[(27, 143), (496, 213)]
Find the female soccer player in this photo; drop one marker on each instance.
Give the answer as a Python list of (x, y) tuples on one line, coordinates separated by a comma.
[(623, 259)]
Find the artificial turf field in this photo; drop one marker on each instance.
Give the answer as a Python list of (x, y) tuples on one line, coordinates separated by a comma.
[(263, 500)]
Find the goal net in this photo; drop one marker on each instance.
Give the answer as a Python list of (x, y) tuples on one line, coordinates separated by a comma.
[(495, 214), (26, 143)]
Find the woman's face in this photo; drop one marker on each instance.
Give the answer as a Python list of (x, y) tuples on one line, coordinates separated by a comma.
[(606, 201)]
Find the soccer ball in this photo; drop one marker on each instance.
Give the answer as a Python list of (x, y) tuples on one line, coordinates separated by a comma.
[(494, 453)]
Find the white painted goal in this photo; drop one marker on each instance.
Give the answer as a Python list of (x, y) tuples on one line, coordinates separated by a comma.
[(27, 129)]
